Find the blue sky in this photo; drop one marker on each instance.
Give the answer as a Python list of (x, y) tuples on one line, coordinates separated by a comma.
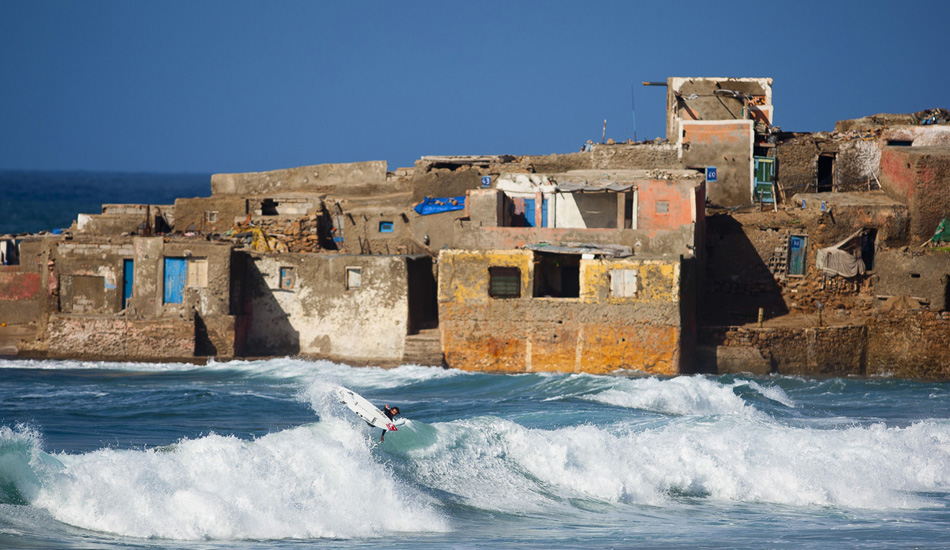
[(235, 86)]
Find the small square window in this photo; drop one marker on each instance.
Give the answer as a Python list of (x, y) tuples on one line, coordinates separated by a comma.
[(211, 216), (354, 278), (385, 227), (287, 278), (504, 282), (662, 207)]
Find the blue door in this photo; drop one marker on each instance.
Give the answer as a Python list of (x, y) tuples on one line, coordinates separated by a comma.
[(529, 212), (544, 212), (175, 271), (796, 253), (128, 277)]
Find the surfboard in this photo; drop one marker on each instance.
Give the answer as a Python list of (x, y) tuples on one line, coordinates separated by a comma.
[(365, 410)]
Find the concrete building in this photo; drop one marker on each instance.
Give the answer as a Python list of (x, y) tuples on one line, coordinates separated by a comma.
[(575, 272)]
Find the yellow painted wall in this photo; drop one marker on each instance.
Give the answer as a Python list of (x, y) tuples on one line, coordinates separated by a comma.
[(594, 333)]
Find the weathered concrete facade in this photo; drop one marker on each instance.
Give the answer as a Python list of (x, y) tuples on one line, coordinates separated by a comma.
[(626, 314), (110, 298), (336, 306)]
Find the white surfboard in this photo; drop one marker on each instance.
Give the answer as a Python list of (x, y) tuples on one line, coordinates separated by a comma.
[(365, 410)]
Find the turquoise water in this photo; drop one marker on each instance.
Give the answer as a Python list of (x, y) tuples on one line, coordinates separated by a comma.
[(261, 455)]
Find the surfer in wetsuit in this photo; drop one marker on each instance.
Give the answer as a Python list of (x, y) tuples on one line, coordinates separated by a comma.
[(390, 414)]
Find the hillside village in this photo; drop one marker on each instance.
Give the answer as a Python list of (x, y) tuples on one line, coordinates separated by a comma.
[(728, 246)]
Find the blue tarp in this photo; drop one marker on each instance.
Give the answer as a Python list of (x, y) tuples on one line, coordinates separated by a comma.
[(438, 205)]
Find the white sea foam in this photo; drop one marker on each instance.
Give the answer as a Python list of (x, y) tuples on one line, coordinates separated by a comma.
[(282, 367), (775, 393), (498, 465), (684, 395), (320, 480)]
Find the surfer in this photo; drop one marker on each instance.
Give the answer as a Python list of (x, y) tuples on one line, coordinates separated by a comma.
[(390, 414)]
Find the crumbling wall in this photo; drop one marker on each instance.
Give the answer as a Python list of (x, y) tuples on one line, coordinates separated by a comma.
[(708, 98)]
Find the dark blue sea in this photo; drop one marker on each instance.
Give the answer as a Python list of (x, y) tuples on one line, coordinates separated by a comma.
[(259, 454), (31, 202)]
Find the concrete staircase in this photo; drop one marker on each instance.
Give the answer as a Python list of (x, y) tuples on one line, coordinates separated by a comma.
[(423, 348)]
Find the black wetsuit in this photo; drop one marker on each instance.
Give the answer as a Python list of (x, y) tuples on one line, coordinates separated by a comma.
[(390, 415)]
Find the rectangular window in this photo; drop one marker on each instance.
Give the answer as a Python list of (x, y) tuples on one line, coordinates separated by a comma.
[(504, 282), (354, 278), (385, 227), (662, 207), (287, 278), (197, 273), (623, 283), (211, 216), (557, 275)]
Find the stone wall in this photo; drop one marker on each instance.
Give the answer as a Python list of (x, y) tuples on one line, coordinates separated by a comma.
[(120, 338), (909, 344), (904, 344), (811, 351)]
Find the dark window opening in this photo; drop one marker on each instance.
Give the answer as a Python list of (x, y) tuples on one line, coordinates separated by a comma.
[(269, 207), (900, 142), (504, 282), (867, 248), (628, 210), (557, 275), (915, 275), (826, 173)]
